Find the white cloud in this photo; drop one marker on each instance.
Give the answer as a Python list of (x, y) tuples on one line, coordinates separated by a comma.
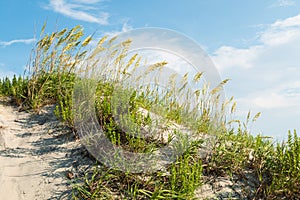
[(88, 1), (265, 76), (227, 57), (284, 3), (275, 98), (24, 41), (280, 109), (270, 100), (80, 10), (289, 22), (279, 35), (125, 27), (282, 31)]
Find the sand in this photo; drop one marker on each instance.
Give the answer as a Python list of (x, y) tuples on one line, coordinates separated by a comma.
[(36, 153)]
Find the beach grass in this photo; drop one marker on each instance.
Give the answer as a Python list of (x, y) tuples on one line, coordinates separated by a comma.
[(61, 59)]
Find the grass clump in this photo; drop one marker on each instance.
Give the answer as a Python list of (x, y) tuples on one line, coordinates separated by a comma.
[(52, 70)]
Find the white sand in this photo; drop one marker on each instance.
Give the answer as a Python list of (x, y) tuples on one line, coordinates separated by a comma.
[(33, 156)]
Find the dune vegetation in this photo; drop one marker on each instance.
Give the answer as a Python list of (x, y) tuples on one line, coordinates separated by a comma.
[(62, 59)]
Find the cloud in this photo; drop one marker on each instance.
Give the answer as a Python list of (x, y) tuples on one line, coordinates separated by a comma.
[(125, 27), (283, 96), (88, 1), (227, 57), (284, 3), (289, 22), (279, 35), (80, 10), (282, 31), (265, 76), (11, 42)]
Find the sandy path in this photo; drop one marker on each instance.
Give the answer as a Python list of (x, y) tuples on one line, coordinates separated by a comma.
[(35, 155)]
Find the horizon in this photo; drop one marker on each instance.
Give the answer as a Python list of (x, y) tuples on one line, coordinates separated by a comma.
[(254, 44)]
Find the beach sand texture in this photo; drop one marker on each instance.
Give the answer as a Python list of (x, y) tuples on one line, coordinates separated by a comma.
[(34, 155)]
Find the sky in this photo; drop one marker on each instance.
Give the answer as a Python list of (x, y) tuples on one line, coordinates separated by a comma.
[(254, 43)]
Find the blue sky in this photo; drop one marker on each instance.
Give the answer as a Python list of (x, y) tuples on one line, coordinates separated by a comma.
[(254, 43)]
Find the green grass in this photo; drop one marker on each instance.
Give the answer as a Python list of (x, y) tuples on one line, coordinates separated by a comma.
[(57, 65)]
